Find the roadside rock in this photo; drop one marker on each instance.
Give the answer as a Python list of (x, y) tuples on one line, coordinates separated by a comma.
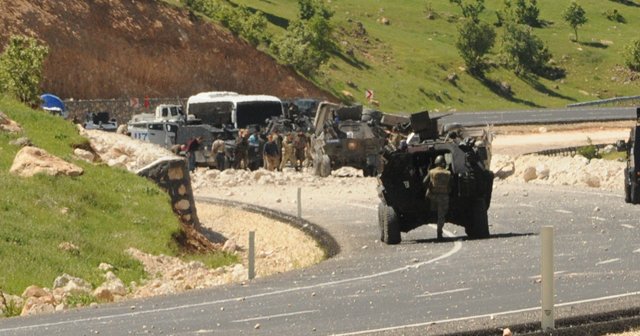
[(113, 287), (72, 285), (34, 306), (529, 174), (84, 154), (37, 301), (32, 160), (21, 142)]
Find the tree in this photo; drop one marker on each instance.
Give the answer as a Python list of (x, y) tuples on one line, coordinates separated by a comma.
[(522, 12), (632, 55), (475, 39), (575, 16), (21, 68), (310, 8), (523, 51), (470, 10)]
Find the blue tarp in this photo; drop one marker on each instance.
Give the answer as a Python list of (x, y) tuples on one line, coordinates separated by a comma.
[(52, 103)]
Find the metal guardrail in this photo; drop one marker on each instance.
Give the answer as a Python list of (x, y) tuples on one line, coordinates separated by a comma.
[(616, 100)]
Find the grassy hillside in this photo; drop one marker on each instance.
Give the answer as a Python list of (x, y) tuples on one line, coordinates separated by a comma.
[(407, 61), (103, 212)]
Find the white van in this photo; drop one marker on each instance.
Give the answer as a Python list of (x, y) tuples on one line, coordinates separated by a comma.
[(219, 109)]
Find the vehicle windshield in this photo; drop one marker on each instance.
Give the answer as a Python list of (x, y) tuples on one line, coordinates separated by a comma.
[(256, 112), (212, 113)]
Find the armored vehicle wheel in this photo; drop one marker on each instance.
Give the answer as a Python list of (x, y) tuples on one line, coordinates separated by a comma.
[(390, 225), (369, 171), (478, 225), (325, 166), (381, 215), (322, 165), (627, 189)]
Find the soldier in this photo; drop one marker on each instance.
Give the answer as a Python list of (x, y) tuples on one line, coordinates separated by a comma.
[(300, 148), (438, 186), (271, 153), (241, 151), (217, 150), (288, 151)]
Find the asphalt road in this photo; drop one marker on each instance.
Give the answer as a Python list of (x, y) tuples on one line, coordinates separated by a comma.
[(416, 288)]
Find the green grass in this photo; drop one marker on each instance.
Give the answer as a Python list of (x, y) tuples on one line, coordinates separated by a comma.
[(407, 61), (103, 212)]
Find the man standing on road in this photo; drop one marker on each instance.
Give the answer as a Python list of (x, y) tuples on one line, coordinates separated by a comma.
[(191, 148), (271, 153), (217, 149), (438, 187), (288, 152)]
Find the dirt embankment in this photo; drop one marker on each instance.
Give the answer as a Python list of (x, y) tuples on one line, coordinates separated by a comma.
[(120, 49)]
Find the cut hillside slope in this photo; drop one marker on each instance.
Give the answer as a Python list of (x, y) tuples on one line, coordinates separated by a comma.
[(119, 49)]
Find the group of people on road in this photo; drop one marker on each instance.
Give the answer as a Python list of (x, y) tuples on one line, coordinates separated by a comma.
[(276, 152), (282, 150)]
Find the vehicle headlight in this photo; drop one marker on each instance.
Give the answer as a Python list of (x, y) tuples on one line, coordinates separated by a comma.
[(352, 145)]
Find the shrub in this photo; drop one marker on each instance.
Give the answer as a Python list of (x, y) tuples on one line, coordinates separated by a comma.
[(632, 55), (470, 10), (21, 68), (614, 15)]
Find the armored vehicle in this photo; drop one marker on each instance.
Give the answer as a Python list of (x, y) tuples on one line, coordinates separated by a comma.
[(346, 136), (632, 171), (403, 205)]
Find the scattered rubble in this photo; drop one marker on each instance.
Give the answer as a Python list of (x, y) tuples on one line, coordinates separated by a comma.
[(560, 170)]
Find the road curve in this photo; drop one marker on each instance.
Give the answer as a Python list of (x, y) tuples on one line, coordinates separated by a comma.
[(418, 287)]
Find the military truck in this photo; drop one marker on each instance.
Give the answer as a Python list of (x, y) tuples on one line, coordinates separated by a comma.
[(401, 189), (342, 138), (632, 171)]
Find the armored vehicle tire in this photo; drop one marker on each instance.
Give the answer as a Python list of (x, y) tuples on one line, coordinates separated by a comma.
[(390, 225), (478, 225), (381, 214), (369, 171), (627, 189), (325, 166), (322, 165)]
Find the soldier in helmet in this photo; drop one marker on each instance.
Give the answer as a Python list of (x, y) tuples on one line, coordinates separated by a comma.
[(438, 183)]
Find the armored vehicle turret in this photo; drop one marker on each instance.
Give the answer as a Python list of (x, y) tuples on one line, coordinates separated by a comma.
[(403, 205)]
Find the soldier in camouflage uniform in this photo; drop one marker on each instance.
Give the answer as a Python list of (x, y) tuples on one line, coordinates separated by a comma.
[(438, 182), (288, 152)]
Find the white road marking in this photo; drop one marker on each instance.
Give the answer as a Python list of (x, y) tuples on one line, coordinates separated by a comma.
[(637, 251), (526, 205), (607, 261), (422, 324), (457, 246), (276, 316), (445, 292), (628, 226), (564, 211), (598, 218)]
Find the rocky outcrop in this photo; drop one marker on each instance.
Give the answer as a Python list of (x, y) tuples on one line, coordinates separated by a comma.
[(8, 125), (32, 160)]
